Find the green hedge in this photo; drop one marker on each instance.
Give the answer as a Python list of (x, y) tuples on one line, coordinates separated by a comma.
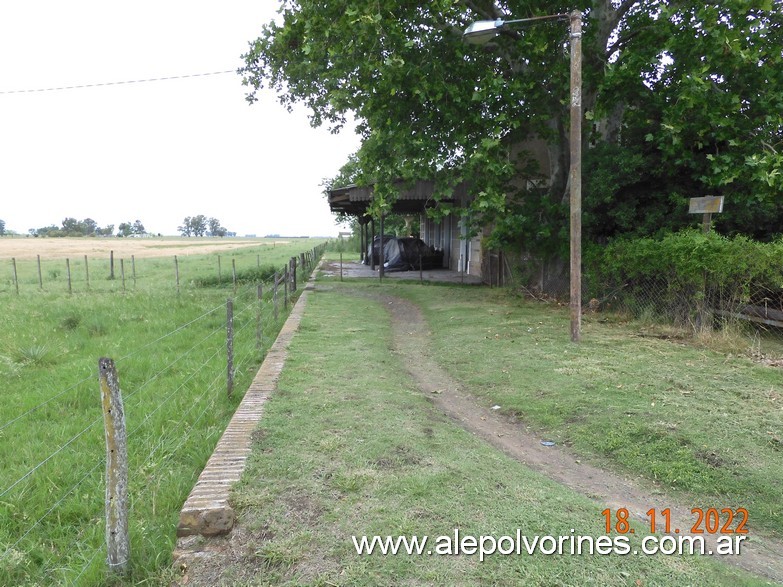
[(676, 272)]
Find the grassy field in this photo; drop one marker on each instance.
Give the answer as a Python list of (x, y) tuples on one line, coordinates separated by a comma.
[(169, 348), (689, 420), (348, 446), (139, 263)]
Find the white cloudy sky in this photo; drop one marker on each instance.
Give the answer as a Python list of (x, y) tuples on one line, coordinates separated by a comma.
[(156, 151)]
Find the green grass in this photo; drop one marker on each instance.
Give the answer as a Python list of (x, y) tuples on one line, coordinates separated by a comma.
[(150, 273), (170, 354), (349, 447), (690, 420)]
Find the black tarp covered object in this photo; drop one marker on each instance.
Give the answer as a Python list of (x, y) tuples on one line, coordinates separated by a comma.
[(403, 254)]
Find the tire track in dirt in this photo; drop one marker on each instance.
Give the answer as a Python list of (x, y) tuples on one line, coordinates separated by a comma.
[(760, 555)]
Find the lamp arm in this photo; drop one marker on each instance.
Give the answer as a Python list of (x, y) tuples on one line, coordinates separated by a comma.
[(493, 13)]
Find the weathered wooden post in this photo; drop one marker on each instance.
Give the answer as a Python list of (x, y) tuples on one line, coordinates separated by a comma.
[(111, 264), (707, 206), (86, 272), (285, 289), (229, 346), (117, 535), (122, 273), (16, 277), (68, 274), (274, 296), (133, 269), (259, 309), (176, 271), (40, 275), (292, 273)]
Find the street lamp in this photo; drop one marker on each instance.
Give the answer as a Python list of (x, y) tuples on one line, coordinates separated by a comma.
[(483, 31)]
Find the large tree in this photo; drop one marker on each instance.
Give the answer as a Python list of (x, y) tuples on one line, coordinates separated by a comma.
[(680, 99)]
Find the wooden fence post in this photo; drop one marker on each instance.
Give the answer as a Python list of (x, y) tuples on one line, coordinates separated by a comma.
[(176, 271), (86, 272), (259, 323), (133, 269), (285, 290), (111, 264), (68, 273), (122, 273), (274, 296), (293, 274), (16, 277), (117, 535), (40, 275), (229, 346)]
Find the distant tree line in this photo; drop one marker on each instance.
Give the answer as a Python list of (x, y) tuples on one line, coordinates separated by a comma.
[(88, 227), (202, 226), (2, 227)]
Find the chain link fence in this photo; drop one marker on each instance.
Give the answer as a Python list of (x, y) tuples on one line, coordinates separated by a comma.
[(743, 316)]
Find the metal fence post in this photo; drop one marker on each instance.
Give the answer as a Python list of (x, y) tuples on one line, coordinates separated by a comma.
[(117, 534)]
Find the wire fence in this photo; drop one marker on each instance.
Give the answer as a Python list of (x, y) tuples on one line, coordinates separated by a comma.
[(113, 273), (176, 406), (745, 316)]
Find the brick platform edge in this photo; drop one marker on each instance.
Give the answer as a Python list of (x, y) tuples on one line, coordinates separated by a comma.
[(206, 511)]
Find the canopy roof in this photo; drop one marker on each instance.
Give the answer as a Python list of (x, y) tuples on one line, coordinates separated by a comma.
[(354, 200)]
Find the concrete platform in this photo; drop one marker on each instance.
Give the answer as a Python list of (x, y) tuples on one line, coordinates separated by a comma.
[(355, 270)]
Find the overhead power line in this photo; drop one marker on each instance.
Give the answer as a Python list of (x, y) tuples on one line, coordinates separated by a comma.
[(118, 83)]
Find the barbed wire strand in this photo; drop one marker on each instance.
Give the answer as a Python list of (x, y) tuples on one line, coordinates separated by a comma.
[(172, 363), (182, 327), (51, 399), (182, 420), (51, 509), (117, 83), (170, 395), (51, 456), (89, 564)]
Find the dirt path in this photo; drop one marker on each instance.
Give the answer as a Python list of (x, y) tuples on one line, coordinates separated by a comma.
[(762, 556)]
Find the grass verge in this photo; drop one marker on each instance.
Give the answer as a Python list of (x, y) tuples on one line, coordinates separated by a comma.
[(169, 349), (348, 448)]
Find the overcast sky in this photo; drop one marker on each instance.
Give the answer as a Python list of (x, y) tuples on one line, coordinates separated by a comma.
[(156, 151)]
